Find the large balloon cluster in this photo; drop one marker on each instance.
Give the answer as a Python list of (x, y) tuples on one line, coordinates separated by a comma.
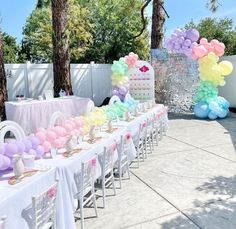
[(211, 71), (120, 80)]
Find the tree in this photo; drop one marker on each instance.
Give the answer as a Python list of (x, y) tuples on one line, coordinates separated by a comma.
[(3, 89), (61, 59), (37, 41), (158, 19), (221, 29), (10, 48), (115, 24)]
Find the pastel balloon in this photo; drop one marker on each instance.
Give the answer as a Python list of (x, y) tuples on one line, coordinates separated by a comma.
[(4, 162), (34, 141), (226, 67), (20, 147), (2, 148), (51, 136), (10, 149), (39, 151), (212, 115), (41, 136), (47, 146), (32, 152)]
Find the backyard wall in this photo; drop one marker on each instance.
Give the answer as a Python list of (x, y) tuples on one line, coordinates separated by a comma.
[(31, 80), (229, 90)]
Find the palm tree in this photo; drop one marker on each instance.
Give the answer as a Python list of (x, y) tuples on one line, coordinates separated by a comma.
[(3, 89), (61, 58)]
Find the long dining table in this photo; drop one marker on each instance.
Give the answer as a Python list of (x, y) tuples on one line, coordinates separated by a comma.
[(17, 198)]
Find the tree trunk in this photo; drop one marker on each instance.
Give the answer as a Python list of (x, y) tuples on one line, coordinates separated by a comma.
[(61, 59), (158, 19), (3, 83)]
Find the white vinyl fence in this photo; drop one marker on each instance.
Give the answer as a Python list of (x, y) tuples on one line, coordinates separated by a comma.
[(31, 80)]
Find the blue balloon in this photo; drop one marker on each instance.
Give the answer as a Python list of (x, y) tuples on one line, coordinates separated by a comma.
[(214, 106), (223, 113), (212, 115), (201, 110)]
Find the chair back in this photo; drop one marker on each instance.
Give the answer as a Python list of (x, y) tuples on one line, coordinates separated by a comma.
[(87, 175), (13, 127), (107, 159), (57, 118), (3, 222), (44, 208)]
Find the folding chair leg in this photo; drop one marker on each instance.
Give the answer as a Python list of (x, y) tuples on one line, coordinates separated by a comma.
[(103, 193), (120, 177), (128, 171), (94, 203), (113, 184), (81, 213)]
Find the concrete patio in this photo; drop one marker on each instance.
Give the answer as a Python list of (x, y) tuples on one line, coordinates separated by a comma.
[(188, 182)]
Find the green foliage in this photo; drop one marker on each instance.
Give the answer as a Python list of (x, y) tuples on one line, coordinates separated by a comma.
[(10, 49), (116, 22), (221, 29), (37, 41), (100, 30)]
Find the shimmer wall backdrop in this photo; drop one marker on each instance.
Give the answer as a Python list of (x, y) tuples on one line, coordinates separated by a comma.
[(176, 79)]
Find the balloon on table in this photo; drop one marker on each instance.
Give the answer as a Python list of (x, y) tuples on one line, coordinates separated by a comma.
[(10, 149), (5, 162)]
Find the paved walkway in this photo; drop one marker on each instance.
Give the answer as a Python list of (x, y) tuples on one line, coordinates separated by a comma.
[(188, 182)]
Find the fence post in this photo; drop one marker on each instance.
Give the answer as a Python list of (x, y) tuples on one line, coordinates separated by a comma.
[(92, 69), (27, 79)]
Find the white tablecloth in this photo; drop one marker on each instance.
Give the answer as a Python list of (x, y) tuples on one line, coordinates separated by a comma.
[(18, 198), (34, 114), (15, 200)]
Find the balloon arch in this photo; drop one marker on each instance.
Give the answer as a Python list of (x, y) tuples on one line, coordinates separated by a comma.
[(211, 71)]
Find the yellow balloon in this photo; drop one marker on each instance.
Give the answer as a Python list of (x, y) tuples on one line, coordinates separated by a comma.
[(226, 67)]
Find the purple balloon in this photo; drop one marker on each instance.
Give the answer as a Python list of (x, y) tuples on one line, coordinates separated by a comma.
[(2, 148), (187, 42), (11, 149), (123, 90), (4, 162), (115, 92), (39, 151), (32, 152), (34, 141), (28, 145), (20, 147), (192, 34)]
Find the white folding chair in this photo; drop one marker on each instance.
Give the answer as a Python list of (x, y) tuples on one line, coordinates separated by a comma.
[(44, 208), (85, 185), (123, 162), (148, 137), (57, 118), (107, 176), (156, 128), (139, 141), (3, 222)]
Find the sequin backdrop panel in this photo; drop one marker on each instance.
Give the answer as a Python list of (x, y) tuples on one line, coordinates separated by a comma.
[(176, 80)]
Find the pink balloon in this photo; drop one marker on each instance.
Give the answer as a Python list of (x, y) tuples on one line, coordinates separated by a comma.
[(51, 136), (47, 146), (57, 143), (68, 127), (203, 41), (200, 51), (79, 123), (41, 136)]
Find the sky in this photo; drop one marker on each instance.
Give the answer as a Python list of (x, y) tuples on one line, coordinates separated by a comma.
[(15, 12)]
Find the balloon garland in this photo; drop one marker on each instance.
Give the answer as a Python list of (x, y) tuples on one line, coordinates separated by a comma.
[(211, 71), (119, 78)]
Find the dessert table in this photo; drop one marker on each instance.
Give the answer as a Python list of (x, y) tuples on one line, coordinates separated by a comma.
[(31, 115)]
